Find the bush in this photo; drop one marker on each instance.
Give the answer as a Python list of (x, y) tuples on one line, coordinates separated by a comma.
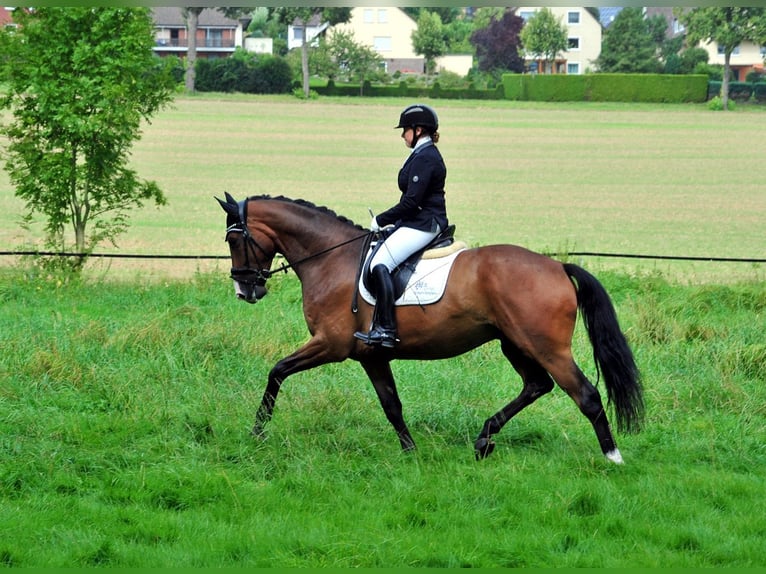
[(740, 91), (243, 72)]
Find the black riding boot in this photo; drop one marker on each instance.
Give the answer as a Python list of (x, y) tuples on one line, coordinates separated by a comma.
[(383, 330)]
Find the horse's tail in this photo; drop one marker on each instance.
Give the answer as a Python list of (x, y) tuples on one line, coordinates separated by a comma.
[(613, 357)]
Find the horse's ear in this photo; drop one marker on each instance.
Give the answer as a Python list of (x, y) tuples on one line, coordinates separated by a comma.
[(229, 198), (230, 205)]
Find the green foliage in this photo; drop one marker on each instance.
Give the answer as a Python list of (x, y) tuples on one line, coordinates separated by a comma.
[(125, 411), (428, 38), (606, 88), (728, 27), (544, 36), (246, 73), (80, 81), (628, 45), (353, 61)]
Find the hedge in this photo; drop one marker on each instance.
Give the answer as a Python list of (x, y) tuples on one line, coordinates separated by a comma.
[(405, 90), (606, 87)]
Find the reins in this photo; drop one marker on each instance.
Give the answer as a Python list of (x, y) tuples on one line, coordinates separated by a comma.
[(268, 273)]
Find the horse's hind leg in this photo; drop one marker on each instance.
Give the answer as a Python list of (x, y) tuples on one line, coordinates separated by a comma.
[(586, 396), (383, 380), (537, 382)]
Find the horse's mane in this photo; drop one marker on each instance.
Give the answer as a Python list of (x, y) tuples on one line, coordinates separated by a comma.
[(304, 203)]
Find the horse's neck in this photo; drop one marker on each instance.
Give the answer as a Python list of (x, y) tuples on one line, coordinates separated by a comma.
[(300, 239)]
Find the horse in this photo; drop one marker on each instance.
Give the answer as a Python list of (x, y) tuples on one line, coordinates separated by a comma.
[(526, 300)]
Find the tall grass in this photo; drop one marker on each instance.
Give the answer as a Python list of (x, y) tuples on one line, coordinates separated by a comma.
[(127, 396), (125, 411)]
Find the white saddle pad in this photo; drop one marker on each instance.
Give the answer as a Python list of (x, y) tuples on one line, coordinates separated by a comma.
[(426, 285)]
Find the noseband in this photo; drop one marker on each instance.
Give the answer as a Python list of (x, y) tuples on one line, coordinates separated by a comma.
[(247, 274)]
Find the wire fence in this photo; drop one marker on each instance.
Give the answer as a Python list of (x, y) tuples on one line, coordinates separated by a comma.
[(224, 257)]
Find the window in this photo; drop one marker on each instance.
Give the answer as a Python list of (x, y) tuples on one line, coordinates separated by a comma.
[(526, 15), (382, 16), (214, 39), (573, 68), (573, 44), (382, 43), (369, 16), (763, 51), (297, 33), (573, 17), (734, 52)]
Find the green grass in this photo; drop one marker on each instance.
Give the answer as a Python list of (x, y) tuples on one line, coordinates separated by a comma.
[(124, 440), (126, 398), (624, 178)]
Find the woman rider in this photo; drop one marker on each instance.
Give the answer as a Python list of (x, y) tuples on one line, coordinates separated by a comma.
[(419, 217)]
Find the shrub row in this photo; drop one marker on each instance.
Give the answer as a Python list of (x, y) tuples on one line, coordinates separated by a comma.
[(606, 87), (739, 91), (405, 90)]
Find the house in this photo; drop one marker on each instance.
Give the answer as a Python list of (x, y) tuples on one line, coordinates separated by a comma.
[(583, 36), (388, 30), (6, 18), (745, 58), (311, 31), (217, 35)]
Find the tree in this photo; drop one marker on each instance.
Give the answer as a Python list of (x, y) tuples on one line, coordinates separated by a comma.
[(428, 39), (79, 82), (191, 15), (357, 61), (629, 44), (728, 27), (544, 36), (304, 16), (498, 45)]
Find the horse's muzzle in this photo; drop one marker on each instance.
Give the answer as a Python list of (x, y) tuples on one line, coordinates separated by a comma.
[(249, 292)]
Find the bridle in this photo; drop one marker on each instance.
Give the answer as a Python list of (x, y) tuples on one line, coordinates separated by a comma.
[(257, 276)]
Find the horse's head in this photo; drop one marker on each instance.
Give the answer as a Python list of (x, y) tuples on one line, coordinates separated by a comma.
[(250, 262)]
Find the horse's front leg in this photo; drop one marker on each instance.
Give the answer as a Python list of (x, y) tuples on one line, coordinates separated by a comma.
[(382, 379), (310, 355)]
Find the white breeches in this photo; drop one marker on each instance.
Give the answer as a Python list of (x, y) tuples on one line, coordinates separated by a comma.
[(400, 245)]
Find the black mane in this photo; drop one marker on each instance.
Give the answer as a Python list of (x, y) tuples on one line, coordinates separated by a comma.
[(304, 203)]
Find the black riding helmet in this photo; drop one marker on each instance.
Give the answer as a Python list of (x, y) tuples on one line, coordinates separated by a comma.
[(419, 115)]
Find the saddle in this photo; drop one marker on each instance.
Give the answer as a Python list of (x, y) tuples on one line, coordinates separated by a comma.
[(442, 245)]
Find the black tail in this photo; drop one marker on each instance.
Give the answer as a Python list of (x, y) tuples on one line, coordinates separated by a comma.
[(613, 357)]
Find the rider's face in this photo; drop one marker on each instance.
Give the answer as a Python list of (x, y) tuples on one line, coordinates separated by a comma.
[(408, 135)]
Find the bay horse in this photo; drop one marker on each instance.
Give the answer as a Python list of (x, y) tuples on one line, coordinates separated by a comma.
[(526, 300)]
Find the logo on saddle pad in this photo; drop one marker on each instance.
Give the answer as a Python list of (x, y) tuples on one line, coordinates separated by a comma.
[(425, 283)]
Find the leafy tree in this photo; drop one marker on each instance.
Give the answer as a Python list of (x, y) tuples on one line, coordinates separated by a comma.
[(358, 61), (79, 82), (428, 38), (629, 44), (728, 27), (498, 45), (544, 36), (303, 16)]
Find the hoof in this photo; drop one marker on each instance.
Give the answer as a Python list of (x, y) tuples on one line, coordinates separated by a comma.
[(483, 448)]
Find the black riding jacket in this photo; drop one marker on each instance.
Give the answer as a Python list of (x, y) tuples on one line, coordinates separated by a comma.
[(421, 181)]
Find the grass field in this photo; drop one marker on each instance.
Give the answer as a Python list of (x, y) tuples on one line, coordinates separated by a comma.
[(126, 397), (614, 178)]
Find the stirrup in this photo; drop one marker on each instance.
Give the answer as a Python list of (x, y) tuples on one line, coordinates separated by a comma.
[(378, 336)]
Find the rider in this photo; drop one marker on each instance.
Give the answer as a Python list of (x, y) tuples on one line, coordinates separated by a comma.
[(419, 217)]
